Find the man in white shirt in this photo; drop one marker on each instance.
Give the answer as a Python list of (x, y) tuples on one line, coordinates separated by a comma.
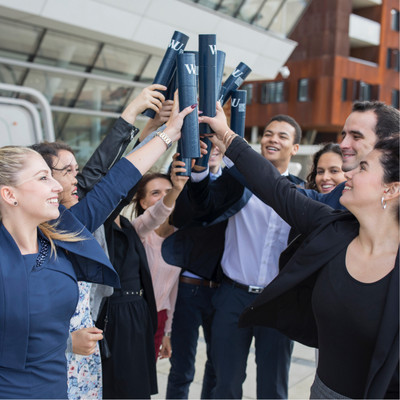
[(254, 238)]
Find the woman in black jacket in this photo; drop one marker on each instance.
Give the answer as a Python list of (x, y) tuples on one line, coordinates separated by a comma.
[(339, 290)]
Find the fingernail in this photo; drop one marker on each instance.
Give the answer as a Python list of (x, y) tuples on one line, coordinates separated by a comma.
[(194, 105)]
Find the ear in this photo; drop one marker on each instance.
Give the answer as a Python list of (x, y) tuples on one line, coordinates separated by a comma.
[(143, 204), (295, 149), (392, 191), (7, 194)]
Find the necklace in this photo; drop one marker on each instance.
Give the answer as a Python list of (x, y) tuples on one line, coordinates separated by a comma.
[(41, 257)]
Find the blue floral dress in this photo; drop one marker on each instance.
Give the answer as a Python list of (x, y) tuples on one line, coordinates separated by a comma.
[(84, 372)]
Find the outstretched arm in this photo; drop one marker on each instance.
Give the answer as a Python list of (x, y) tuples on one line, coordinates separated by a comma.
[(265, 180), (115, 143)]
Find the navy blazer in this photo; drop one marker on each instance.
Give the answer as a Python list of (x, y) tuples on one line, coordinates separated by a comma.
[(285, 304), (87, 257)]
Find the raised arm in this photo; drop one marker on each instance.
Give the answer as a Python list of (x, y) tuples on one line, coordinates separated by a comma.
[(264, 179), (94, 209), (115, 143)]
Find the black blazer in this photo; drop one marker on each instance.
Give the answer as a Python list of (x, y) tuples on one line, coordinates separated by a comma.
[(286, 303)]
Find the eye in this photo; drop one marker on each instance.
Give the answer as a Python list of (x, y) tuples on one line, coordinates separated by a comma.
[(43, 178), (320, 172)]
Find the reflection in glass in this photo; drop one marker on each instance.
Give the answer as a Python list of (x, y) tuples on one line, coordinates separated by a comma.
[(83, 133), (66, 51), (230, 7), (11, 75), (249, 10), (118, 62), (209, 3), (17, 38), (59, 90), (266, 13), (102, 96), (150, 70), (287, 16)]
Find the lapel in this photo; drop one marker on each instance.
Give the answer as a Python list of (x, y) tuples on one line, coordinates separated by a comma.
[(14, 306), (385, 356)]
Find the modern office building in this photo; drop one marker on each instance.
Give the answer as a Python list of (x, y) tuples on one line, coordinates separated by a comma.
[(348, 50), (89, 58)]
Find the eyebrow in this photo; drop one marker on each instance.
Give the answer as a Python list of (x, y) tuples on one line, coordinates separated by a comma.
[(354, 133), (281, 132), (41, 171)]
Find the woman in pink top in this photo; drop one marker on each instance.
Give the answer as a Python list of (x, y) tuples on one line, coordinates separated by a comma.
[(155, 201)]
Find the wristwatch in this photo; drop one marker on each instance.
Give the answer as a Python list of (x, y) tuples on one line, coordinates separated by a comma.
[(165, 138)]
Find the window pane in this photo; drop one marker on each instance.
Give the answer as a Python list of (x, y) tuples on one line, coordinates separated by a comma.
[(303, 90), (59, 90), (66, 51), (395, 23), (287, 16), (119, 62), (104, 96), (151, 69), (249, 10), (18, 39), (209, 3), (267, 12), (249, 89), (230, 7), (83, 133), (10, 74), (395, 98)]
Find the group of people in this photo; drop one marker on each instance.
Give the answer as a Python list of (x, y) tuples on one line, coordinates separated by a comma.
[(94, 295)]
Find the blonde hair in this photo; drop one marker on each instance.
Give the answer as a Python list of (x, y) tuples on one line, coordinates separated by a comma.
[(12, 162)]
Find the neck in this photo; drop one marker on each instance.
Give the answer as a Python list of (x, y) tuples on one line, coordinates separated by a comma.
[(214, 169), (281, 167), (24, 235), (379, 232)]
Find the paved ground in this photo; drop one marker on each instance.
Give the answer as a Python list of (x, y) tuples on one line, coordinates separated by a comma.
[(301, 374)]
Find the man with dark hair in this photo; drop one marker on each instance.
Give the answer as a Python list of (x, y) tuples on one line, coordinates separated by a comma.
[(367, 122), (248, 250)]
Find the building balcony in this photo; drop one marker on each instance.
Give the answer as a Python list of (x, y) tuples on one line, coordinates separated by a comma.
[(363, 32)]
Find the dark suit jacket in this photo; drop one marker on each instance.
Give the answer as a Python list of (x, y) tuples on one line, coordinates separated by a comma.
[(286, 303), (201, 212)]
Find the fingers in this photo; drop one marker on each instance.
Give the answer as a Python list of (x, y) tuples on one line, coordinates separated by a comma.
[(157, 86)]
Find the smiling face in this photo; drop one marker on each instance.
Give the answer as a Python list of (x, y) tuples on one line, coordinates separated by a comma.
[(155, 190), (215, 159), (277, 144), (364, 187), (65, 168), (358, 138), (36, 191), (329, 172)]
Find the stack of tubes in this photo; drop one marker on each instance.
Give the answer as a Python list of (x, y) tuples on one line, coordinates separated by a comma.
[(200, 72)]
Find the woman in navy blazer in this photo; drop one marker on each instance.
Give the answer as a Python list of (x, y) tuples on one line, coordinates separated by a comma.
[(339, 289), (40, 263)]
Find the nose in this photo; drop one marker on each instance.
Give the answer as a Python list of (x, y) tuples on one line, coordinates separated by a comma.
[(326, 175), (345, 143), (349, 174), (57, 188)]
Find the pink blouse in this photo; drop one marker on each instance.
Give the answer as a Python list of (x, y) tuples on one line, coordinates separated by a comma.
[(165, 277)]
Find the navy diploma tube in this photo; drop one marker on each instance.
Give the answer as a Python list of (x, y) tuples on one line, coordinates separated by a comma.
[(210, 77), (238, 111), (168, 64), (235, 79), (187, 89)]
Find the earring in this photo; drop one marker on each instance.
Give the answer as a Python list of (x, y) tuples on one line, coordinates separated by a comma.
[(15, 203), (383, 202)]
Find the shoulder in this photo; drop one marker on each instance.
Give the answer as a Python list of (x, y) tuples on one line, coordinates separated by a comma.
[(296, 180)]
